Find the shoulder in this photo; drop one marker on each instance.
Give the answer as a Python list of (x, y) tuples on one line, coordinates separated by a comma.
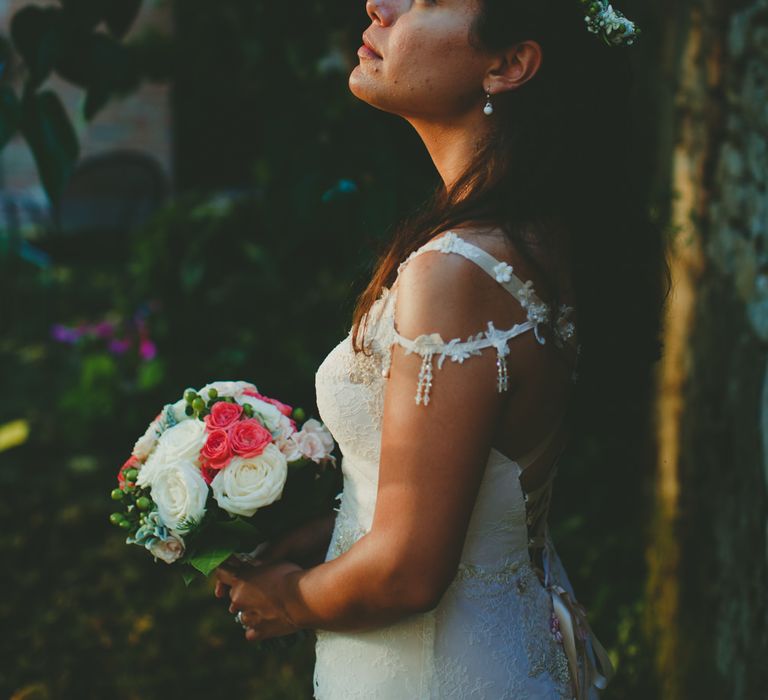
[(451, 294)]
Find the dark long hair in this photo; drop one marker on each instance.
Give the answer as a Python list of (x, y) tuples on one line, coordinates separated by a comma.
[(560, 159)]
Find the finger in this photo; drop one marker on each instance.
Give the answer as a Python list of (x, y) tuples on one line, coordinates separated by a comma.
[(252, 635), (225, 576), (222, 589), (233, 608)]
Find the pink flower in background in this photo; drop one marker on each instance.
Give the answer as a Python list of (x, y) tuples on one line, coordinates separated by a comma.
[(119, 346), (147, 349), (284, 408), (217, 451), (118, 335), (223, 415), (249, 438)]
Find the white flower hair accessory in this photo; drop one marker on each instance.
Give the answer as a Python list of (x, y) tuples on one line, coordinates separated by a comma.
[(614, 28)]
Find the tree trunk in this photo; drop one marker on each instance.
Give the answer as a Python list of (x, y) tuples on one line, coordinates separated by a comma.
[(708, 590)]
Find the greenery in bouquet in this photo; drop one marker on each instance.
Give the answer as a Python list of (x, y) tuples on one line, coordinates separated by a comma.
[(221, 471)]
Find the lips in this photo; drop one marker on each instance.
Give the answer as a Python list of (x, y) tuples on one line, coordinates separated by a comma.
[(367, 43)]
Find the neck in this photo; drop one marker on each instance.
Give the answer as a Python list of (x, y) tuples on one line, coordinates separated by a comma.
[(453, 146)]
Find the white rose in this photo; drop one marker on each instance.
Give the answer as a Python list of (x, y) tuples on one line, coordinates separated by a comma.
[(314, 440), (146, 443), (234, 389), (245, 485), (268, 413), (169, 549), (150, 468), (183, 441), (180, 493)]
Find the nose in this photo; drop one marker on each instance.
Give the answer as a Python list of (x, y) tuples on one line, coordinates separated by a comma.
[(381, 11)]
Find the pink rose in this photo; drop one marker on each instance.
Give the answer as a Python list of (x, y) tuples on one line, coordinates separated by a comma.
[(284, 408), (223, 414), (217, 451), (249, 438)]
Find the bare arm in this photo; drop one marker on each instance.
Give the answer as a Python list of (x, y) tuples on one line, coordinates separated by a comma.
[(431, 467)]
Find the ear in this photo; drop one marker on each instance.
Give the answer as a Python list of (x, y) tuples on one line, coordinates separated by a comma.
[(514, 67)]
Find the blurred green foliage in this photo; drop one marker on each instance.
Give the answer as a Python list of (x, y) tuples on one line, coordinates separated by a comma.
[(81, 42), (287, 184)]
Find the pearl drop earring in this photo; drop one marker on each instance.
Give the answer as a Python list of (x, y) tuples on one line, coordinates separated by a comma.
[(488, 109)]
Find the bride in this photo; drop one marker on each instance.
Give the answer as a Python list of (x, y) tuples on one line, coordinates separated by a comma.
[(450, 397)]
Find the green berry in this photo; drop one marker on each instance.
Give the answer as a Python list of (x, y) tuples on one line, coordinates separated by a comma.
[(131, 474), (212, 393), (190, 395), (117, 494), (299, 414), (188, 410), (198, 404), (116, 518), (124, 525), (143, 503), (248, 410)]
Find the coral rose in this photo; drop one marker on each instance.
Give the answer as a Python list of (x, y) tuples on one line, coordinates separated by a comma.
[(217, 451), (223, 414), (249, 438)]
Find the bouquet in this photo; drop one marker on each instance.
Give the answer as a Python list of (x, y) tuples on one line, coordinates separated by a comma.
[(221, 472)]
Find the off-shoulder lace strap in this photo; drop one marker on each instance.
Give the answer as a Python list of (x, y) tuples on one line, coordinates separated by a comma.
[(430, 345), (538, 311)]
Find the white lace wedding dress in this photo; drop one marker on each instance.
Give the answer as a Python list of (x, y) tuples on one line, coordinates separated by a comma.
[(508, 627)]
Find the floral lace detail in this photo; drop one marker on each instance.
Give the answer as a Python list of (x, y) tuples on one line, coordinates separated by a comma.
[(503, 272), (429, 345)]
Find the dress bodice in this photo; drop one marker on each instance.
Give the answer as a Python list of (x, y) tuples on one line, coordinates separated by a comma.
[(525, 615)]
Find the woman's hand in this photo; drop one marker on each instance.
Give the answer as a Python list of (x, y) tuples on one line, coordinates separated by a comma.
[(256, 591)]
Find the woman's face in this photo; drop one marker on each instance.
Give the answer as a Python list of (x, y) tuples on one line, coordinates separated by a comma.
[(425, 68)]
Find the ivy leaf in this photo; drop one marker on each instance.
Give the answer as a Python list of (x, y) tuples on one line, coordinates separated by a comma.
[(86, 13), (207, 561), (120, 16), (51, 138), (10, 114), (36, 33), (95, 100), (100, 64), (189, 575)]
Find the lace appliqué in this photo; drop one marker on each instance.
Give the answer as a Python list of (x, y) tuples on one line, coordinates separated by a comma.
[(429, 345)]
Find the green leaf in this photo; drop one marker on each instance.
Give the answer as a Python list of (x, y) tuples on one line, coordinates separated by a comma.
[(98, 62), (189, 575), (37, 35), (10, 114), (85, 13), (52, 139), (95, 100), (120, 16), (207, 561)]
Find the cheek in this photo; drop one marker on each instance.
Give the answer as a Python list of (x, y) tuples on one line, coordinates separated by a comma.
[(442, 64)]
